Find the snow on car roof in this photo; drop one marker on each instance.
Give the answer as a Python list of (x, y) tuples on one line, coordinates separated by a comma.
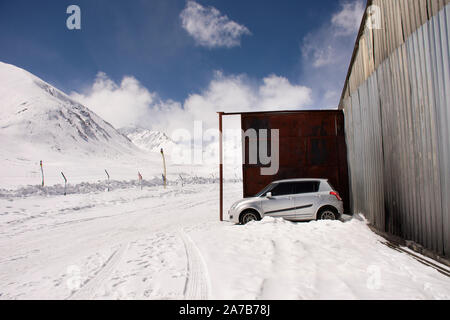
[(300, 180)]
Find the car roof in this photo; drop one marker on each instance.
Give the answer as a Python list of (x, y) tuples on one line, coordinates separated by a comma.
[(300, 180)]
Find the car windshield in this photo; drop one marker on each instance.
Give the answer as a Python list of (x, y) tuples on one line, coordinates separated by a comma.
[(265, 190)]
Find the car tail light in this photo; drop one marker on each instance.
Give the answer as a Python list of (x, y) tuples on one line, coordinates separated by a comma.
[(336, 194)]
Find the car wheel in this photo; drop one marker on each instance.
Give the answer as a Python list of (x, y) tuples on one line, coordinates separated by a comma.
[(327, 214), (248, 216)]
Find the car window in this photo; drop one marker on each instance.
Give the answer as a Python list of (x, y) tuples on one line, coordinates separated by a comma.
[(306, 187), (282, 189), (263, 192), (331, 186)]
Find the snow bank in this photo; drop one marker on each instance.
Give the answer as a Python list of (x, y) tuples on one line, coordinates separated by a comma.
[(101, 186), (167, 243), (277, 259)]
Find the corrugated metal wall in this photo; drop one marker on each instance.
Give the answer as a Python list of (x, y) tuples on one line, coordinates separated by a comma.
[(399, 19), (396, 103)]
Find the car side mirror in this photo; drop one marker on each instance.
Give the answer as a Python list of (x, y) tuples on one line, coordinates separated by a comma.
[(269, 195)]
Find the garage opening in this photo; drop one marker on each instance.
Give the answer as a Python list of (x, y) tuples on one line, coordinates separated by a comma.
[(311, 145)]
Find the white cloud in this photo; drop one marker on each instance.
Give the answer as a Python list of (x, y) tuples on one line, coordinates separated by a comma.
[(327, 44), (279, 92), (326, 53), (237, 93), (348, 19), (129, 103), (210, 28), (120, 104)]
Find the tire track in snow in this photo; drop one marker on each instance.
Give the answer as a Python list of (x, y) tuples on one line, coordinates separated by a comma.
[(89, 288), (197, 281), (266, 282), (69, 223), (27, 241)]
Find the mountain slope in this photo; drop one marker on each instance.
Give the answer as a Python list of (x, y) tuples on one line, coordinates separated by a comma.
[(148, 140), (35, 118), (39, 122)]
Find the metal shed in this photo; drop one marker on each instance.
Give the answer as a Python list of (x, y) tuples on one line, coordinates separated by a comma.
[(396, 102), (311, 145)]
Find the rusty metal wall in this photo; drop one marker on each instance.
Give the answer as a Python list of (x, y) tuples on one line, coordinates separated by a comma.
[(312, 145), (397, 128)]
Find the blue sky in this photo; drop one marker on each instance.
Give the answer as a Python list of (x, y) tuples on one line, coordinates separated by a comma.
[(302, 43)]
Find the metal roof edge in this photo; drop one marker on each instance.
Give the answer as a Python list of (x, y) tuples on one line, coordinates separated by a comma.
[(355, 52), (279, 112)]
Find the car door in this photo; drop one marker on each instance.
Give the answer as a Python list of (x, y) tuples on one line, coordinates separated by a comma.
[(281, 204), (305, 198)]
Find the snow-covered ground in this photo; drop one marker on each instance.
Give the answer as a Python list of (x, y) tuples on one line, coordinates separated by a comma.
[(156, 243), (161, 243)]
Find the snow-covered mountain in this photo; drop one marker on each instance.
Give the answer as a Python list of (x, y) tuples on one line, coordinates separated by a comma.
[(35, 117), (148, 140), (39, 122)]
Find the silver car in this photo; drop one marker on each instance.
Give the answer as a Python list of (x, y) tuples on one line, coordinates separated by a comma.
[(294, 200)]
